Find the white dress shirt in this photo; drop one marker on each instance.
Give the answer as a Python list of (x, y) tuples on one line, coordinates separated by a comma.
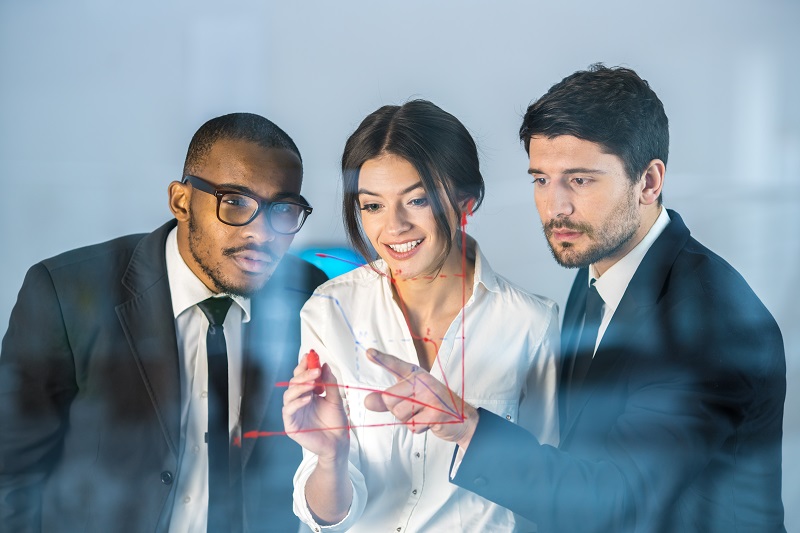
[(190, 508), (612, 284), (400, 479)]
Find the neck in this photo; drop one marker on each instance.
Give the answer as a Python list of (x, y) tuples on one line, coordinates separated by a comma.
[(649, 218), (430, 304), (437, 295)]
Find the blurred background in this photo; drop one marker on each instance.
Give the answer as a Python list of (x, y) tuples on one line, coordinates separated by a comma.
[(98, 102)]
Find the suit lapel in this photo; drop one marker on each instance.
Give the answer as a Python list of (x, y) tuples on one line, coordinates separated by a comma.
[(635, 309), (149, 328)]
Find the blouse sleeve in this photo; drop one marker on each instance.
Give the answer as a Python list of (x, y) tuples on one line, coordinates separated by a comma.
[(314, 319)]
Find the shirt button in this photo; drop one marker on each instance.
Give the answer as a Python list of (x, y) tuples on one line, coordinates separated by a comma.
[(508, 417), (416, 455), (204, 394), (187, 499), (399, 529), (166, 477), (480, 481), (196, 448), (414, 491)]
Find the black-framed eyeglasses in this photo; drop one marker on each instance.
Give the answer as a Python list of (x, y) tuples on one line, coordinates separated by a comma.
[(237, 208)]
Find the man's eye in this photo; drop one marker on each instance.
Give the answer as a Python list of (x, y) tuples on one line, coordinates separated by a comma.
[(281, 208), (370, 208), (539, 181), (581, 181), (235, 200)]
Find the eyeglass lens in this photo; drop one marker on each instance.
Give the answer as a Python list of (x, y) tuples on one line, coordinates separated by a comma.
[(238, 209)]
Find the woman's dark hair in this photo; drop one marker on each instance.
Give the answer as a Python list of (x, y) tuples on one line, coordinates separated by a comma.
[(438, 146)]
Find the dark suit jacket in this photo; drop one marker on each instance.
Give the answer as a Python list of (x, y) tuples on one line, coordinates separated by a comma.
[(678, 425), (90, 393)]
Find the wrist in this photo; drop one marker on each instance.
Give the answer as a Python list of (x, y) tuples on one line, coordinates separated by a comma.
[(471, 417), (336, 460)]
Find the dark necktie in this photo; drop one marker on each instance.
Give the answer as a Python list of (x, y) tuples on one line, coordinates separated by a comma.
[(219, 499), (588, 339)]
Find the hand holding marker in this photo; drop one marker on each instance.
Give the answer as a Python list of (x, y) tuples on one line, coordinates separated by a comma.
[(312, 358)]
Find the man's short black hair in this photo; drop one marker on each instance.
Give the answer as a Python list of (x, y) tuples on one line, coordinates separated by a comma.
[(612, 107), (235, 126)]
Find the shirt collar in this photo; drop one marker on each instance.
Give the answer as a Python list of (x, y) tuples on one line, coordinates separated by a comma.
[(185, 287), (612, 284), (484, 274)]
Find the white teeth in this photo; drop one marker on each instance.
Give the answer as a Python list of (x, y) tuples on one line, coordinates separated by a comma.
[(405, 247)]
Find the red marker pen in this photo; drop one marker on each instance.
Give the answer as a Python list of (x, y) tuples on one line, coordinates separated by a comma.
[(312, 358)]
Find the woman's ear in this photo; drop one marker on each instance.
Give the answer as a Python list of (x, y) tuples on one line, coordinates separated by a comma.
[(466, 205)]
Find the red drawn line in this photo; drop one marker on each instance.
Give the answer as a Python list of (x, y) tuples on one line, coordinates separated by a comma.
[(343, 260), (463, 276), (380, 391), (470, 206), (259, 434), (415, 336)]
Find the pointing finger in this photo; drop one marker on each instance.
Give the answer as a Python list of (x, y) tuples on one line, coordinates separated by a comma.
[(399, 368)]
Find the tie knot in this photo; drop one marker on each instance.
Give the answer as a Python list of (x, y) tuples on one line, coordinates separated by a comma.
[(215, 309)]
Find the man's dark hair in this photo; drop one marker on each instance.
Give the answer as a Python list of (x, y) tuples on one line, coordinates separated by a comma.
[(235, 126), (612, 107), (438, 146)]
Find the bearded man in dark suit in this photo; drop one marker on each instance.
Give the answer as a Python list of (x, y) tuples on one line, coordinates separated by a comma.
[(673, 371)]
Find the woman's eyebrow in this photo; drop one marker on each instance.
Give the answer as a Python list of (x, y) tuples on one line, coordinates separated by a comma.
[(417, 185)]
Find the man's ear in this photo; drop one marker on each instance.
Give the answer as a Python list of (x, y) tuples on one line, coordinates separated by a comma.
[(651, 182), (179, 197)]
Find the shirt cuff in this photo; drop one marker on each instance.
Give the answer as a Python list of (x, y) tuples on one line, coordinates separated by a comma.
[(457, 458), (357, 504)]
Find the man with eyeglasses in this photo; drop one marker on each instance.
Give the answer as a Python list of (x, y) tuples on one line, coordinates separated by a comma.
[(137, 376)]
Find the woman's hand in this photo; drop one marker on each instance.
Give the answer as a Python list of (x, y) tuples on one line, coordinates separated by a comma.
[(422, 402), (318, 423)]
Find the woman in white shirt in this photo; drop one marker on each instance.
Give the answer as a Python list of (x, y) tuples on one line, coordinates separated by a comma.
[(411, 178)]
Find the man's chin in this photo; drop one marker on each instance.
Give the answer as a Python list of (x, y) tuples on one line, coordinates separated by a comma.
[(245, 288), (567, 257)]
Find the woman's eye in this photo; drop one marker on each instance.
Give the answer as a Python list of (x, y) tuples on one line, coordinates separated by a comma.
[(419, 202), (370, 208)]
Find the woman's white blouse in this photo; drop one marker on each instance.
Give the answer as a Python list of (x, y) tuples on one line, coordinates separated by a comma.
[(401, 479)]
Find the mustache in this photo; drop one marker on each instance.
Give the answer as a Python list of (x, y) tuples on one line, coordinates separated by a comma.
[(567, 224), (251, 248)]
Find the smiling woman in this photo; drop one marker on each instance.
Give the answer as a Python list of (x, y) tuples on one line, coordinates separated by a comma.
[(428, 295)]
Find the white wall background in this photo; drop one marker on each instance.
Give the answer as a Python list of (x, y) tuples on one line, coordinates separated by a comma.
[(98, 103)]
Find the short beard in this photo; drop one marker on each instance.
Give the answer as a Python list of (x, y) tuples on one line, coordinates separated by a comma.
[(607, 239), (221, 284)]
